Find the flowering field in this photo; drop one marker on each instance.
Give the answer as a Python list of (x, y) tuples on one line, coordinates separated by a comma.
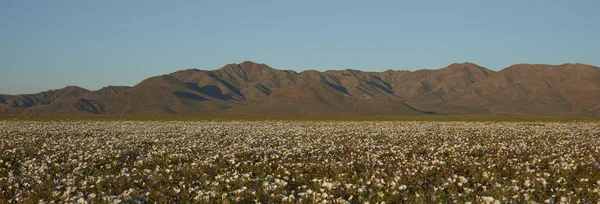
[(299, 161)]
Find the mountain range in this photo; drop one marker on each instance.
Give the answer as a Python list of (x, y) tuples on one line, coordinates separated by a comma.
[(250, 88)]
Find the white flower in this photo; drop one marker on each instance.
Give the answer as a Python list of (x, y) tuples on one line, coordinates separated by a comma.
[(527, 183), (327, 185), (81, 201)]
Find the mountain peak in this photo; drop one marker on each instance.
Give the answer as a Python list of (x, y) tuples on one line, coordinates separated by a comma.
[(249, 65), (467, 66), (247, 62), (246, 66), (463, 64), (72, 88)]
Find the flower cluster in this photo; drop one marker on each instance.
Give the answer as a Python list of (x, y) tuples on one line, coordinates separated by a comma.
[(299, 161)]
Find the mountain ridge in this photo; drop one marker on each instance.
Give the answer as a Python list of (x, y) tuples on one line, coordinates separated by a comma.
[(569, 89)]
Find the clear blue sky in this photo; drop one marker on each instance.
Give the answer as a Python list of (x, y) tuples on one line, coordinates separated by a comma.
[(50, 44)]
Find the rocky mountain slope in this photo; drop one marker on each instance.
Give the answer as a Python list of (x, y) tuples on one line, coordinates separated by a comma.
[(249, 88)]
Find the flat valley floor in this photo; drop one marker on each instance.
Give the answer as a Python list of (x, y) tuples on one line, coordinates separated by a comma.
[(289, 161)]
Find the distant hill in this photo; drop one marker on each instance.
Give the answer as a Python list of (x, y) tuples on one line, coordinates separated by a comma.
[(249, 88)]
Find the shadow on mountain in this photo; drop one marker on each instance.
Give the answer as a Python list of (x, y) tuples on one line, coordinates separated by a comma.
[(89, 106), (210, 90), (387, 88), (2, 100), (228, 85), (24, 102), (338, 88), (190, 96), (264, 89)]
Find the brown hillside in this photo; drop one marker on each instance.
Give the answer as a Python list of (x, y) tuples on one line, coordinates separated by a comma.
[(249, 88)]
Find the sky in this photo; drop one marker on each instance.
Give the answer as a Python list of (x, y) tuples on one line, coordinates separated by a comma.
[(50, 44)]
